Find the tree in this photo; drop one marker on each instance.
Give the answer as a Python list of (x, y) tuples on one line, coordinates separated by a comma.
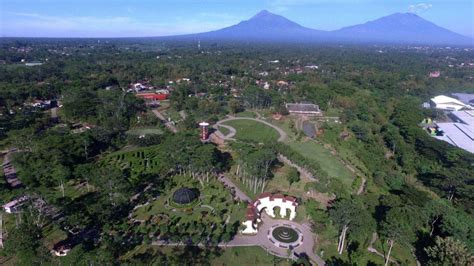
[(25, 241), (449, 251), (293, 176), (399, 226), (351, 216), (234, 105)]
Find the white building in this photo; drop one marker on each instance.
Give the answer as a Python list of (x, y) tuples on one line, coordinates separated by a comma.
[(447, 103), (459, 133), (268, 202)]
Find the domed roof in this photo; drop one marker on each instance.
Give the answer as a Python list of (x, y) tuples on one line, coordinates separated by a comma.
[(185, 195)]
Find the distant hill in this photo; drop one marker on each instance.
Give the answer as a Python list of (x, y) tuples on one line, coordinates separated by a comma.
[(265, 26), (401, 28), (398, 28)]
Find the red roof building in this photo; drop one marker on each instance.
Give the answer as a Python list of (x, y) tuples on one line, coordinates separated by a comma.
[(153, 96)]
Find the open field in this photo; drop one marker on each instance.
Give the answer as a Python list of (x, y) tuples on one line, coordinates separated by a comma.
[(225, 131), (248, 130), (145, 131), (328, 162), (246, 114), (235, 256), (240, 256)]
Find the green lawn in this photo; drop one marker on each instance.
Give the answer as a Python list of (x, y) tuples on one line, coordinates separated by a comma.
[(224, 130), (145, 131), (246, 114), (248, 130), (239, 256), (329, 163)]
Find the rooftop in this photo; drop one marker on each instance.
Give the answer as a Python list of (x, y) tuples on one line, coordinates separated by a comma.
[(458, 134), (302, 108), (440, 99), (467, 98)]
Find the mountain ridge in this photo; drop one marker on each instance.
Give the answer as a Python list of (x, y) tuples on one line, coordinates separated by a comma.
[(402, 28)]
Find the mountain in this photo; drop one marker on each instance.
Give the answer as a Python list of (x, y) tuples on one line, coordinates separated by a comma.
[(401, 28), (265, 26), (398, 28)]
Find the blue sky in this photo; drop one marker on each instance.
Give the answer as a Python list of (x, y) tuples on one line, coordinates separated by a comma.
[(119, 18)]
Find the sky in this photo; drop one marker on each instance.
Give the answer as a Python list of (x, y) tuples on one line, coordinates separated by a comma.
[(130, 18)]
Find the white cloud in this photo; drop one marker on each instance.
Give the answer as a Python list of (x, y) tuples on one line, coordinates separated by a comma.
[(37, 25), (419, 8)]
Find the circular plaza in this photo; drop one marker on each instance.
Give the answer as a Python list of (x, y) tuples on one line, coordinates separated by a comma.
[(285, 236)]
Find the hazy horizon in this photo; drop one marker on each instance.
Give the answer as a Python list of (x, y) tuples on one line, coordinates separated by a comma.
[(145, 18)]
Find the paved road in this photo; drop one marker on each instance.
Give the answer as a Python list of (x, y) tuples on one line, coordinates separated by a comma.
[(283, 135), (167, 124), (238, 193)]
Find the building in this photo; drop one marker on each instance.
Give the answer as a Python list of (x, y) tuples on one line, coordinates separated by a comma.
[(466, 98), (10, 172), (435, 74), (268, 202), (460, 132), (447, 103), (153, 96), (303, 109), (15, 205), (204, 126), (33, 63)]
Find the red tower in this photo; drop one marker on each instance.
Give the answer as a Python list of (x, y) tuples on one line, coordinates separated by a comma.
[(204, 130)]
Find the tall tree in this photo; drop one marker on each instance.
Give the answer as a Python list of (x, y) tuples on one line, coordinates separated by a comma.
[(449, 251)]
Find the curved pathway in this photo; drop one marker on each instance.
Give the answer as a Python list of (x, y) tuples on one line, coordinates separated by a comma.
[(283, 135), (305, 247), (229, 136)]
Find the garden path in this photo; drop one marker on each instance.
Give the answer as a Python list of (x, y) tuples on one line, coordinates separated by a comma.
[(162, 118), (238, 193), (283, 135)]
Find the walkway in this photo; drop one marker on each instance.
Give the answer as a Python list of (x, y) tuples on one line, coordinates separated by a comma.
[(303, 171), (168, 124), (283, 135), (305, 247), (238, 193), (229, 136), (261, 239), (9, 170)]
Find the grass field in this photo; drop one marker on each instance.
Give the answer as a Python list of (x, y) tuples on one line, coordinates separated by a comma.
[(329, 163), (240, 256), (224, 130), (246, 114), (248, 130), (145, 131)]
